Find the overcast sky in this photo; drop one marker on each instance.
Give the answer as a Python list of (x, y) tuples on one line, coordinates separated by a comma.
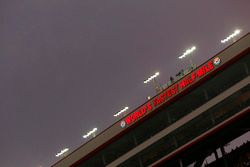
[(67, 66)]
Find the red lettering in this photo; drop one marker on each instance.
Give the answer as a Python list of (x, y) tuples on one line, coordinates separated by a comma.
[(176, 88), (138, 114), (188, 80), (144, 109), (200, 72), (128, 120), (162, 97), (210, 65), (133, 116), (170, 92), (149, 106), (206, 69), (182, 84), (193, 76), (191, 79), (173, 91), (156, 101)]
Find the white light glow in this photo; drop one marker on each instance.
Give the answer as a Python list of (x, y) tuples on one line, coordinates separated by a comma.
[(234, 34), (187, 52), (90, 133), (62, 152), (122, 111), (152, 77)]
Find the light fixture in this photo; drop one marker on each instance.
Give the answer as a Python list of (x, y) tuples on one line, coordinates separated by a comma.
[(151, 77), (92, 132), (121, 111), (157, 86), (62, 152), (187, 52), (231, 36)]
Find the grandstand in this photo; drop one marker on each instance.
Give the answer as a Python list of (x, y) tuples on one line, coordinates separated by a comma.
[(190, 119)]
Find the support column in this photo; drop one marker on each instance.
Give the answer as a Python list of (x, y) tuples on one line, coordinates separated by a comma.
[(140, 162), (175, 141), (246, 69), (223, 156), (104, 160), (216, 155), (135, 140), (205, 94), (157, 86), (180, 163)]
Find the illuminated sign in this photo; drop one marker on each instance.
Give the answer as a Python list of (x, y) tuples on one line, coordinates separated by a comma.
[(138, 113), (170, 92), (216, 61), (123, 124), (196, 74)]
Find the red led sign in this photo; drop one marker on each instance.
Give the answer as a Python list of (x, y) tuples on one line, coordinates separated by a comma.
[(165, 95), (196, 74), (169, 93), (138, 113)]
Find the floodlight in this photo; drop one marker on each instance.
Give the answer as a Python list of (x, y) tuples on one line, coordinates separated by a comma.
[(151, 77), (121, 111), (187, 52), (62, 152), (92, 132), (231, 36), (157, 86)]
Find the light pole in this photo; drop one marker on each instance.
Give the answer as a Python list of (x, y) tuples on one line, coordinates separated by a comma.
[(122, 111), (152, 78)]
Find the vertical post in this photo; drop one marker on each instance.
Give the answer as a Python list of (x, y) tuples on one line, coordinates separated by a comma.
[(168, 118), (223, 156), (157, 86), (216, 155), (104, 160), (135, 140), (205, 94), (246, 69), (211, 117), (191, 62), (180, 162), (140, 162), (175, 141)]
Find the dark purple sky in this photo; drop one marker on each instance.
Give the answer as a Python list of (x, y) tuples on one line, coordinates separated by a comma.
[(67, 66)]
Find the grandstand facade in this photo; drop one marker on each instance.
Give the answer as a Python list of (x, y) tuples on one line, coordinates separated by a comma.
[(190, 119)]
